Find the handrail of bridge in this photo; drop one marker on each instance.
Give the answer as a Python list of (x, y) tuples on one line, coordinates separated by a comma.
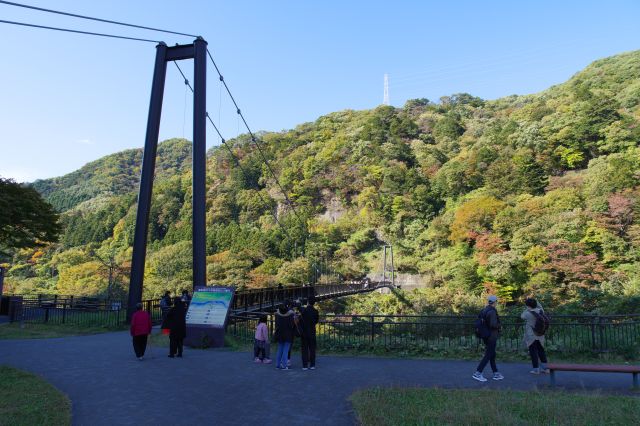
[(269, 298)]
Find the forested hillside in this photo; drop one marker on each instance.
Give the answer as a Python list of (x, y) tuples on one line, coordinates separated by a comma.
[(535, 194)]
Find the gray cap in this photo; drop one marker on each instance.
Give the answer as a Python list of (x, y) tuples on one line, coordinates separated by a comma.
[(493, 298)]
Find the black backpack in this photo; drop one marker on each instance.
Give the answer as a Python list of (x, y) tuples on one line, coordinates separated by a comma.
[(482, 327), (542, 323)]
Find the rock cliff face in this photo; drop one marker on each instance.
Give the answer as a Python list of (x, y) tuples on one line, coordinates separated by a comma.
[(334, 209)]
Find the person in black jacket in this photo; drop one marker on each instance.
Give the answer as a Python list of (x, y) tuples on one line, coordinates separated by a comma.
[(178, 326), (165, 305), (310, 319), (492, 321), (283, 335)]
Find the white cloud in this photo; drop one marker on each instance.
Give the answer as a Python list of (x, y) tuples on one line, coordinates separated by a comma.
[(85, 142)]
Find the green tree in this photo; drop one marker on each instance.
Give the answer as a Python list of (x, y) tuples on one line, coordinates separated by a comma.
[(26, 220)]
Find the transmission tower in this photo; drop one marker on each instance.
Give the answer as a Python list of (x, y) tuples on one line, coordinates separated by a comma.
[(385, 99)]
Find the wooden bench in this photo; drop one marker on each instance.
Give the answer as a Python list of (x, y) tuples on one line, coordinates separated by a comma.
[(633, 369)]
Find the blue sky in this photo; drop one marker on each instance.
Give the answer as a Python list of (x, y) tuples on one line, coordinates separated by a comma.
[(70, 99)]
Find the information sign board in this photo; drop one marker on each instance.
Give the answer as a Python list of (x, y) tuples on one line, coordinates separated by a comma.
[(207, 316), (209, 306)]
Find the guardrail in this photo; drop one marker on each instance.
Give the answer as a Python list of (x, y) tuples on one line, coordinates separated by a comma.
[(441, 332), (84, 312)]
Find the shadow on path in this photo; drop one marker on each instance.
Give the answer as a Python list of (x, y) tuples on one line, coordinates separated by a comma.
[(108, 385)]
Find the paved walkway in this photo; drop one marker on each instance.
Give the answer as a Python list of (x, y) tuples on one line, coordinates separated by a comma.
[(109, 386)]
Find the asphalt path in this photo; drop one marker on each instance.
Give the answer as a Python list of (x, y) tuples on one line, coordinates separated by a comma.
[(109, 386)]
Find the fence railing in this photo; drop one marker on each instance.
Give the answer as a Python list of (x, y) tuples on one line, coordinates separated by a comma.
[(87, 312), (440, 332), (568, 333), (63, 309)]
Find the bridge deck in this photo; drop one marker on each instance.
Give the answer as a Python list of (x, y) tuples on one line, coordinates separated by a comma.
[(268, 299)]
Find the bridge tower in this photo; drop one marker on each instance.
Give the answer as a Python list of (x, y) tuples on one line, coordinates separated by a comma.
[(388, 265), (164, 54)]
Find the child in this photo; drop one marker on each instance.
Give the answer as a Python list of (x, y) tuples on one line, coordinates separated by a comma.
[(261, 342)]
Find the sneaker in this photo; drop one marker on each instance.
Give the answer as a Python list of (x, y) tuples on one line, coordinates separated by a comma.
[(312, 367), (288, 363), (535, 371), (479, 377), (285, 368), (139, 358), (304, 368), (266, 361), (545, 371), (497, 376), (257, 360)]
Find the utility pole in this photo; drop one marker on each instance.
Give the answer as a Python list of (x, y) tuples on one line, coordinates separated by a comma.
[(385, 98)]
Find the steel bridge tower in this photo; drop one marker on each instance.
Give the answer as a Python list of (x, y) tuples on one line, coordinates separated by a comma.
[(164, 54)]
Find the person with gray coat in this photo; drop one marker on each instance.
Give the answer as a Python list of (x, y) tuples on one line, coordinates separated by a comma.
[(534, 343)]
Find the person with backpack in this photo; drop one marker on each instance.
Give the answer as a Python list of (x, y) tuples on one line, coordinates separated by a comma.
[(310, 319), (536, 325), (488, 329)]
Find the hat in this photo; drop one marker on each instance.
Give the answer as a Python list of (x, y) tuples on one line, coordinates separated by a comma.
[(492, 299)]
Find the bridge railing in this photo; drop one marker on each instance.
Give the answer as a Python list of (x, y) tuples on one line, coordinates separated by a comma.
[(425, 333), (66, 309), (269, 298)]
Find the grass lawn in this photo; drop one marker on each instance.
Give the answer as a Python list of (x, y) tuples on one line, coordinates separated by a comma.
[(45, 331), (417, 406), (29, 400)]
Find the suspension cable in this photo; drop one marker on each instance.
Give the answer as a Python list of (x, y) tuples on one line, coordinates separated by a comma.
[(233, 156), (108, 21), (77, 31), (255, 140)]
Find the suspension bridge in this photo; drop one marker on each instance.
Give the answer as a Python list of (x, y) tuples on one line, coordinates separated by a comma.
[(198, 51)]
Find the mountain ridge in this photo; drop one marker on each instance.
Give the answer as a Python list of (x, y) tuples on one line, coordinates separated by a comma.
[(519, 195)]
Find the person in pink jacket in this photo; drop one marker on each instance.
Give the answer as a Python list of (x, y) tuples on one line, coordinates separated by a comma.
[(140, 330), (261, 342)]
